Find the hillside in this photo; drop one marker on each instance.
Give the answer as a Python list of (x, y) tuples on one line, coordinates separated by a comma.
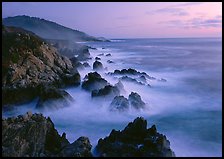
[(48, 29), (28, 61)]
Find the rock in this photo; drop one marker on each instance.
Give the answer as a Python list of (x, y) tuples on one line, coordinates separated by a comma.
[(36, 136), (100, 54), (108, 90), (135, 141), (84, 55), (72, 79), (103, 47), (109, 61), (93, 81), (119, 103), (136, 101), (28, 61), (81, 146), (86, 64), (97, 65), (129, 79), (108, 54), (97, 58), (76, 63), (52, 98), (120, 86)]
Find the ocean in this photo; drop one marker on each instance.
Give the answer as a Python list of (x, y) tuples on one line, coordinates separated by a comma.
[(187, 107)]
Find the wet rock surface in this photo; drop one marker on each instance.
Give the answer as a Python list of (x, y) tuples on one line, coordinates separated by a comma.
[(136, 101), (33, 135), (119, 103), (135, 141), (108, 90)]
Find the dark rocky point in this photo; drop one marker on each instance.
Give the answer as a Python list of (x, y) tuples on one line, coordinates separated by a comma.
[(135, 141), (106, 91), (97, 58), (119, 103), (93, 81), (108, 54), (136, 101)]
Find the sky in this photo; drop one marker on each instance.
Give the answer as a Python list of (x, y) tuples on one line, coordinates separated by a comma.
[(128, 19)]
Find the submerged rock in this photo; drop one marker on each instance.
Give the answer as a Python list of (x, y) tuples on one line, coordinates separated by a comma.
[(119, 103), (135, 141), (129, 79), (136, 101), (93, 81), (97, 65), (33, 135)]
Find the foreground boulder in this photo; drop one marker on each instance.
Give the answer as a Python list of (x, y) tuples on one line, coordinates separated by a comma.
[(93, 81), (135, 141), (97, 65), (135, 100), (33, 135), (53, 98)]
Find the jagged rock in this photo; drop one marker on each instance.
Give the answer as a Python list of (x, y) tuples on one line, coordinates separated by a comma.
[(108, 54), (97, 58), (93, 81), (33, 135), (52, 98), (119, 103), (106, 91), (76, 63), (97, 65), (81, 147), (135, 141), (136, 101)]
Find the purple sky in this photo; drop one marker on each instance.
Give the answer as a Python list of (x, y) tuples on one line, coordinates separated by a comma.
[(128, 19)]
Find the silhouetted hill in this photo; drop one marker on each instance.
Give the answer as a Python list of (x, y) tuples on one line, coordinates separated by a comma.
[(48, 29)]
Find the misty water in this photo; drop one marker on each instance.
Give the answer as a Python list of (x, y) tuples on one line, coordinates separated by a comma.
[(187, 108)]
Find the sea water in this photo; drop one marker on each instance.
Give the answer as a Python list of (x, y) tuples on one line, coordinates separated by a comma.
[(187, 108)]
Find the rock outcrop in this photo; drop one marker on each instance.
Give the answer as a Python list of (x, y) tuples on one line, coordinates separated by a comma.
[(93, 81), (135, 141), (136, 101), (28, 61), (33, 135)]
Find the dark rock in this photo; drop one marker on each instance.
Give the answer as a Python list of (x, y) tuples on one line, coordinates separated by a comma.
[(97, 65), (119, 103), (108, 54), (33, 135), (129, 79), (53, 98), (135, 141), (81, 147), (100, 54), (93, 81), (106, 91), (109, 61), (136, 101), (86, 64), (72, 79), (76, 63), (97, 58), (103, 47)]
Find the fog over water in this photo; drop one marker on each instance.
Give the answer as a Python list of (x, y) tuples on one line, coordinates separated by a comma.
[(187, 108)]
